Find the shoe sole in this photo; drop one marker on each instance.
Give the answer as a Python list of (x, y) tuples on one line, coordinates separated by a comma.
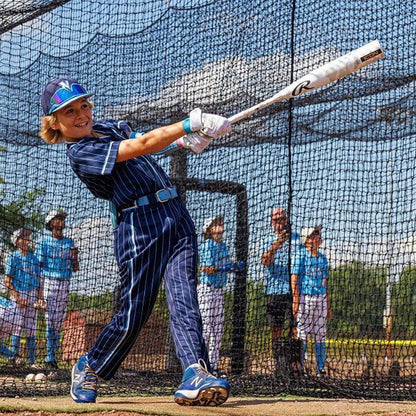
[(211, 396), (75, 398)]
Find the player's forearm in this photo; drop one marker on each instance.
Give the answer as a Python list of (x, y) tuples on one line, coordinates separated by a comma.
[(295, 293), (74, 256), (150, 142), (8, 283), (268, 256), (328, 298)]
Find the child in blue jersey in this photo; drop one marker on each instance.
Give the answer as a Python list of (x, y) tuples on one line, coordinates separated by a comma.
[(279, 245), (311, 303), (154, 237), (22, 278), (58, 258), (10, 322), (215, 265)]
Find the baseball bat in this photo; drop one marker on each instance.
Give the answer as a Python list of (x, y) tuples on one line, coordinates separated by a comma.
[(321, 76)]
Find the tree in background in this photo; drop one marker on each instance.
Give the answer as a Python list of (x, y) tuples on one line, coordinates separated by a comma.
[(23, 210), (404, 305), (358, 299)]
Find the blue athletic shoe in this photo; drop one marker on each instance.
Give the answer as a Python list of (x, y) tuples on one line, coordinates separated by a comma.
[(201, 388), (84, 382)]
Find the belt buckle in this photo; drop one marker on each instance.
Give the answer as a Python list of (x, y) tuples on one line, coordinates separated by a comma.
[(163, 195)]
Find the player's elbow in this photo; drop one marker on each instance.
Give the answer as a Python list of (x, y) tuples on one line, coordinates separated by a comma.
[(7, 282), (265, 260)]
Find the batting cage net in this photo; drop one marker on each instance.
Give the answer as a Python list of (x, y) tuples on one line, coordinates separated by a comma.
[(341, 157)]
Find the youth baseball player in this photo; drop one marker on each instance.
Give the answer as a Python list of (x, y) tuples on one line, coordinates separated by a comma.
[(22, 278), (311, 303), (10, 322), (58, 259), (155, 236), (215, 265)]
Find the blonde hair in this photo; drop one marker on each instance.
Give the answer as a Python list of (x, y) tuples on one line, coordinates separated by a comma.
[(50, 135)]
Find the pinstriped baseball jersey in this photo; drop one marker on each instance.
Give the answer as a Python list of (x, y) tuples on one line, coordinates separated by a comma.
[(151, 241), (94, 162)]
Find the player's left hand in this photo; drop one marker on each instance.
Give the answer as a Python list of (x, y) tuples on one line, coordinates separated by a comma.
[(194, 141), (40, 305)]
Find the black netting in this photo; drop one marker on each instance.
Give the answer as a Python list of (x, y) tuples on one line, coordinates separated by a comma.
[(342, 156)]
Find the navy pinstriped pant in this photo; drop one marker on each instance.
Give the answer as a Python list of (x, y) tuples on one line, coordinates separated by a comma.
[(152, 242)]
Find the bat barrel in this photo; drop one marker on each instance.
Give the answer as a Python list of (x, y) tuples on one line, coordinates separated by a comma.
[(321, 76)]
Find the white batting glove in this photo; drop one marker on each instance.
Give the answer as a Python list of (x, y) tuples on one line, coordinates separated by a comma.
[(194, 142), (215, 126), (209, 124), (195, 119)]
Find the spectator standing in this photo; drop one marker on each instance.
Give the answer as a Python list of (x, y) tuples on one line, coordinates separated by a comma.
[(215, 265), (58, 259), (280, 244), (22, 278), (311, 300)]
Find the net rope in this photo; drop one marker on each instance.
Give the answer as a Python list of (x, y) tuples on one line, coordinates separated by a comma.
[(342, 157)]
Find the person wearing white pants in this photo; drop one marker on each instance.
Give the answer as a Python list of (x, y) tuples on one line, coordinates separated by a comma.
[(22, 279), (311, 302), (58, 258), (215, 265), (10, 322)]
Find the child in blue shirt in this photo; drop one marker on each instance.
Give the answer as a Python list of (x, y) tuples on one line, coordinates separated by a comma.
[(58, 258), (22, 278), (311, 303), (215, 265)]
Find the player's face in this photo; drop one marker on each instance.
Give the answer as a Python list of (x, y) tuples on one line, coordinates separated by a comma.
[(74, 120), (57, 226), (23, 242), (217, 232), (315, 240)]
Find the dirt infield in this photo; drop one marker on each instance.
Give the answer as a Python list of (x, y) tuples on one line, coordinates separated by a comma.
[(235, 406)]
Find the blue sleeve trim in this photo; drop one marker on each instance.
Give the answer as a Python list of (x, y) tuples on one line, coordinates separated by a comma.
[(186, 125), (135, 134)]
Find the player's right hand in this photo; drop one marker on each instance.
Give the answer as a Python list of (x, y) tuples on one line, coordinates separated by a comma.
[(211, 125), (215, 126), (284, 236), (22, 302)]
